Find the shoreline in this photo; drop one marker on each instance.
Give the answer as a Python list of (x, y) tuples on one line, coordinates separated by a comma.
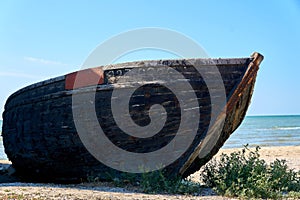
[(107, 191)]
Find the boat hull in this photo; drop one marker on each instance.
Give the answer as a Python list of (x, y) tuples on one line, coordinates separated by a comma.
[(41, 136)]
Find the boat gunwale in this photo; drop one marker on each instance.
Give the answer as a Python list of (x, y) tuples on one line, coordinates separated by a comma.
[(137, 64)]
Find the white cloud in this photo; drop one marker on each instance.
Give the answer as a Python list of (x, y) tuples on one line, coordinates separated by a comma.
[(44, 61), (19, 75)]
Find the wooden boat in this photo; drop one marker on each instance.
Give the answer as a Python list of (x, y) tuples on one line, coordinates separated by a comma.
[(41, 139)]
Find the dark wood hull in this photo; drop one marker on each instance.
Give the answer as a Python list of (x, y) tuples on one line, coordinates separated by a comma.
[(41, 139)]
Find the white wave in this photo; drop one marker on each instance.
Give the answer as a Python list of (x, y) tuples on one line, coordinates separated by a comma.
[(286, 128)]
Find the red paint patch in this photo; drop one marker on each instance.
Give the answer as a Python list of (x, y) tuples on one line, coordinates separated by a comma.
[(83, 78)]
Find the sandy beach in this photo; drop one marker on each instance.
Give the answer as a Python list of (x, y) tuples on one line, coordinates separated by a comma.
[(17, 190)]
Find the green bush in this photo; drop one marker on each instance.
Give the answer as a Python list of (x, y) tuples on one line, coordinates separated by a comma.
[(156, 182), (244, 174)]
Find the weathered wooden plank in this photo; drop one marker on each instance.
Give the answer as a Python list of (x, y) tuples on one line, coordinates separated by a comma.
[(41, 139)]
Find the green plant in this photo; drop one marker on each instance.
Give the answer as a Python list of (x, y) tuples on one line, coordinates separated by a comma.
[(152, 182), (244, 174), (294, 195), (156, 182)]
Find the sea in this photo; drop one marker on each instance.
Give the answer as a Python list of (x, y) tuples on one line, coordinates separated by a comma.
[(263, 131), (266, 131)]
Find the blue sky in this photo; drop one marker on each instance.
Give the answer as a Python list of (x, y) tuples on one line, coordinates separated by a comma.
[(44, 39)]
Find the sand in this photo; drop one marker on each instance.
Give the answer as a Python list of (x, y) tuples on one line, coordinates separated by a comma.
[(269, 154), (17, 190)]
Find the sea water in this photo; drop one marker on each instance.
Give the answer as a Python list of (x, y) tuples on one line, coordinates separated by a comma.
[(255, 131), (266, 131)]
